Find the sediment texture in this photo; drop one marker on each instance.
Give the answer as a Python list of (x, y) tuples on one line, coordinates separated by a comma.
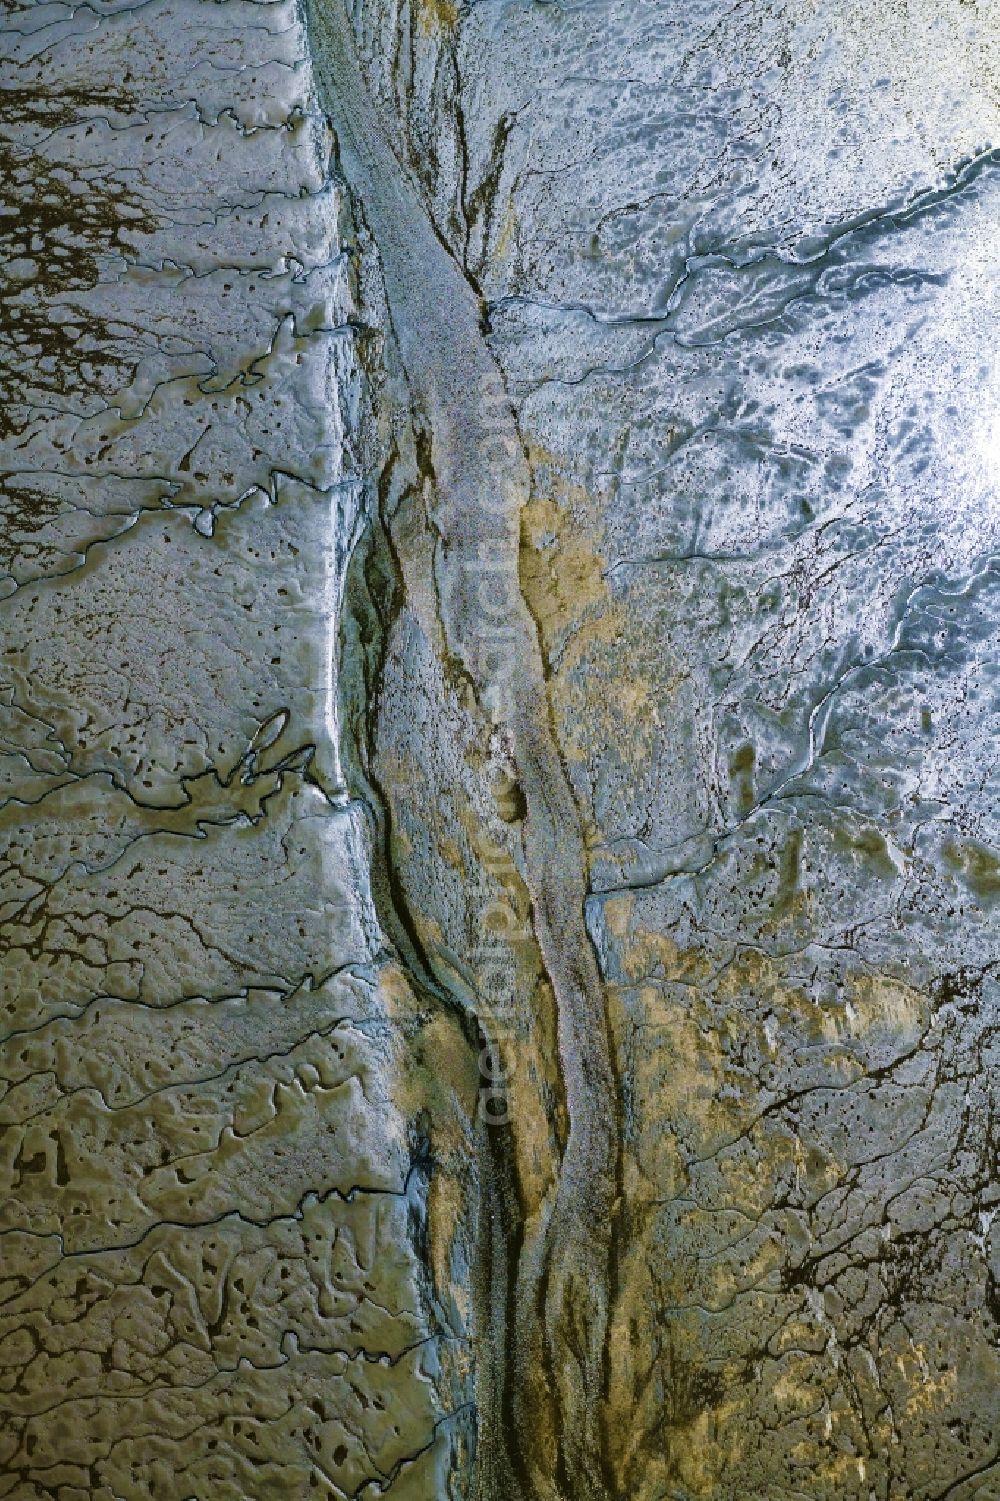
[(214, 1172), (499, 924)]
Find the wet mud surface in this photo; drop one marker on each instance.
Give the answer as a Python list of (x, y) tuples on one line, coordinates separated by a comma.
[(500, 876)]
